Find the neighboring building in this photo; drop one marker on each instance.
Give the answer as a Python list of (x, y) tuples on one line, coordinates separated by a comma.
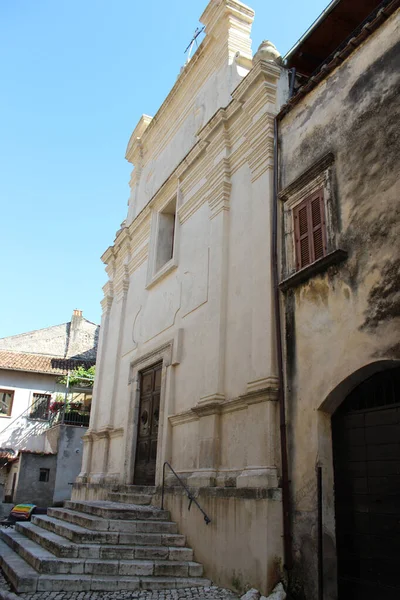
[(339, 168), (40, 439), (188, 368)]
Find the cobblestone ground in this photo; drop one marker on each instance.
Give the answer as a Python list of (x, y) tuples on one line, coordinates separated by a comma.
[(206, 593)]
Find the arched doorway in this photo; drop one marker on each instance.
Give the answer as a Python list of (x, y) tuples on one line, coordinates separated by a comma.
[(366, 460)]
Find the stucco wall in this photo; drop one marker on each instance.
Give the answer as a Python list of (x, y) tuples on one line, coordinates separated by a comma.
[(344, 323), (29, 488), (69, 460), (18, 431)]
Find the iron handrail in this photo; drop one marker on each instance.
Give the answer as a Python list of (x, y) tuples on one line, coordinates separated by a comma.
[(188, 493)]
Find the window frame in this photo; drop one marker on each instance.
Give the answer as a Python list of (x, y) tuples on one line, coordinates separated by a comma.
[(12, 394), (154, 273), (320, 176), (32, 418), (46, 471)]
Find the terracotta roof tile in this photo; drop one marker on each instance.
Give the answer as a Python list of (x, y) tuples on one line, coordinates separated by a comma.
[(36, 363)]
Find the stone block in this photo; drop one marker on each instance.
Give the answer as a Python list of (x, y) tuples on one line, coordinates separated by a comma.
[(136, 568), (170, 569), (122, 526), (128, 583), (104, 584), (156, 527), (157, 583), (195, 569), (62, 583), (173, 540), (151, 553), (141, 539), (180, 554), (117, 553), (92, 551), (94, 567)]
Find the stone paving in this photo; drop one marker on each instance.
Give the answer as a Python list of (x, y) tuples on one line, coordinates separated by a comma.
[(195, 593)]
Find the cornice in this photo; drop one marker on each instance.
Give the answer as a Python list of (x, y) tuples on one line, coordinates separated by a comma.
[(260, 139), (135, 146), (219, 188), (326, 161), (108, 255), (182, 418), (269, 71), (217, 405)]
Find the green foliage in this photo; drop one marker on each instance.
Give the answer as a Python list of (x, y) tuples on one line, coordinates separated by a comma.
[(80, 377)]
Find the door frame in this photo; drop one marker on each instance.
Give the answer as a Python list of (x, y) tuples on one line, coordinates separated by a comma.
[(169, 354)]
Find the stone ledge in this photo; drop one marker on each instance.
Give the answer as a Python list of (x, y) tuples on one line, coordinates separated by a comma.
[(230, 492), (317, 267)]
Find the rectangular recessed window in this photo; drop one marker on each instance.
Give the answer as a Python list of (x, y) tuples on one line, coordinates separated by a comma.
[(40, 406), (310, 230), (165, 235), (6, 402), (44, 475)]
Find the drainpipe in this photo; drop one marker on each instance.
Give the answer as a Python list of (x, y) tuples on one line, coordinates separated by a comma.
[(286, 500)]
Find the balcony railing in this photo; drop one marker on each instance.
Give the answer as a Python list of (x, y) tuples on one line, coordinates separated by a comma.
[(67, 415)]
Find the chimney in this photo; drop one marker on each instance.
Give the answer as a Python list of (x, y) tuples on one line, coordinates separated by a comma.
[(76, 319)]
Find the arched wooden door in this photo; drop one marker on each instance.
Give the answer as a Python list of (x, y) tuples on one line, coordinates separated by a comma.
[(149, 413), (366, 458)]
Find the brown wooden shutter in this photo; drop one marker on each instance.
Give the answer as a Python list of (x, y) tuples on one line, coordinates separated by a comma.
[(310, 230), (302, 235), (317, 214)]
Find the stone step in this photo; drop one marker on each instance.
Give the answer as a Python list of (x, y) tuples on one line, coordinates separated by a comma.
[(158, 545), (25, 578), (82, 535), (98, 524), (38, 557), (56, 544), (115, 510), (130, 498), (22, 576), (44, 561), (75, 533), (60, 583)]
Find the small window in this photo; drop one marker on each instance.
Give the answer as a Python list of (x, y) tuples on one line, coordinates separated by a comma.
[(44, 475), (165, 235), (6, 402), (40, 406), (310, 230)]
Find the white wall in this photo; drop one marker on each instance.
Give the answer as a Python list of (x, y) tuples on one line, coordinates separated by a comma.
[(18, 431)]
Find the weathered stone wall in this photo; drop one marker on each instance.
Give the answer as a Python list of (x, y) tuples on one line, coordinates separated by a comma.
[(344, 323), (29, 488), (75, 339)]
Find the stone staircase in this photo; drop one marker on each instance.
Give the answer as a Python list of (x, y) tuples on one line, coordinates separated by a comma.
[(121, 544)]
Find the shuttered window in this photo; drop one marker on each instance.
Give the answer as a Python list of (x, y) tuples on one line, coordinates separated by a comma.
[(310, 230)]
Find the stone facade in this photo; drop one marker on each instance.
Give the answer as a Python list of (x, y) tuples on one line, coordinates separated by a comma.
[(341, 322), (199, 301)]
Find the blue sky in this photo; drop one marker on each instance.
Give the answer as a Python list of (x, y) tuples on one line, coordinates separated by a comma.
[(76, 75)]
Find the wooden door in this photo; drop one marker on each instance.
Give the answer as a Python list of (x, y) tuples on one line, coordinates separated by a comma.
[(366, 453), (149, 412)]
